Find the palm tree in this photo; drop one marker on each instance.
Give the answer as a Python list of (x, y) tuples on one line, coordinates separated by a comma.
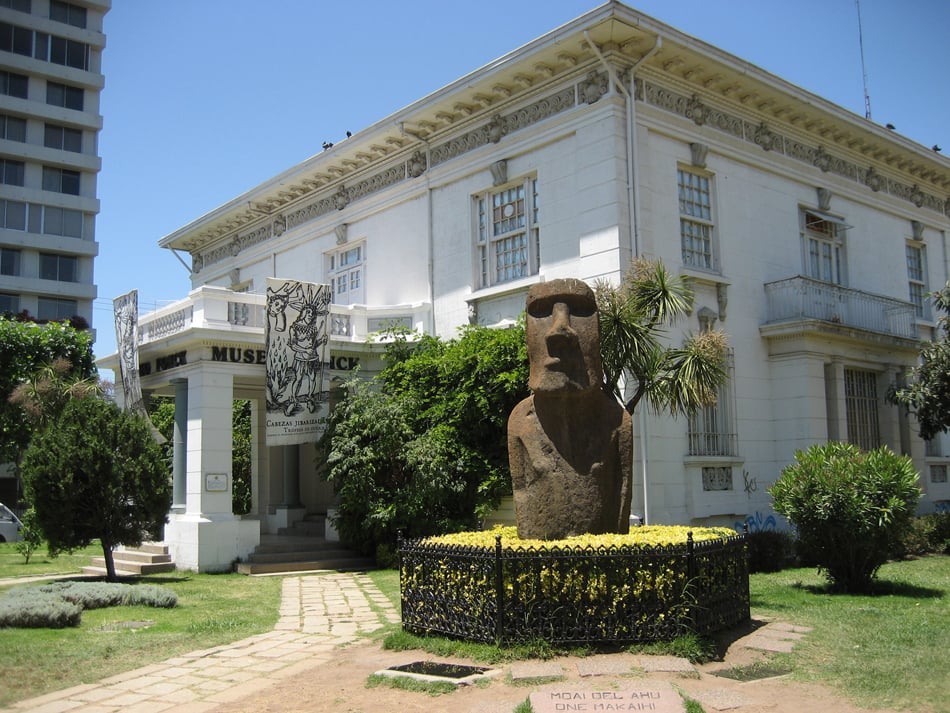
[(634, 316)]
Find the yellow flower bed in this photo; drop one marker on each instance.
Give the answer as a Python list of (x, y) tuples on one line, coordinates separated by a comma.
[(647, 536), (634, 587)]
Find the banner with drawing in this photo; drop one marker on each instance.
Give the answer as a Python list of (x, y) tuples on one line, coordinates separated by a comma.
[(296, 336), (126, 311)]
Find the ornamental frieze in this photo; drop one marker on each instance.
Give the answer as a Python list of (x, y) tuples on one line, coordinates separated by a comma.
[(695, 109), (500, 125), (493, 131)]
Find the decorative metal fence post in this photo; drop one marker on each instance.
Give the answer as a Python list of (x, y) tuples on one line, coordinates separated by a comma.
[(499, 593), (690, 557)]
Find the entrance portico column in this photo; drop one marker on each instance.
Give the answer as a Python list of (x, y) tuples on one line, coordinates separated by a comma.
[(180, 445), (210, 405), (207, 536), (292, 477)]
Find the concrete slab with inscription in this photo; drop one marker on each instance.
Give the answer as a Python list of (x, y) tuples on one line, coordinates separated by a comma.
[(658, 697)]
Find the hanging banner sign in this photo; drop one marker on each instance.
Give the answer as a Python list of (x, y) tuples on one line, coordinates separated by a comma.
[(295, 345), (126, 311)]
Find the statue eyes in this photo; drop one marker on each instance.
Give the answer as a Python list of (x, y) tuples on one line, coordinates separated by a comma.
[(576, 307)]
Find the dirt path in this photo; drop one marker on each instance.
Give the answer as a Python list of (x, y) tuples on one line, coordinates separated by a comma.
[(340, 685)]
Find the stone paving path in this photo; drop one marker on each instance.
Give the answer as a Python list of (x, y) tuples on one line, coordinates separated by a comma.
[(318, 613)]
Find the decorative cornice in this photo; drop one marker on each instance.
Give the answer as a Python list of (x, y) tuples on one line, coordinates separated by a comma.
[(762, 135), (497, 127)]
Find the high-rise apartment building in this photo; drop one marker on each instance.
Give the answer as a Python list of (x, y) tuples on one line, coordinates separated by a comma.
[(50, 81)]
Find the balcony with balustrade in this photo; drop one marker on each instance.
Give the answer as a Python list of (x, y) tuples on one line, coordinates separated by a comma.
[(801, 306), (243, 314)]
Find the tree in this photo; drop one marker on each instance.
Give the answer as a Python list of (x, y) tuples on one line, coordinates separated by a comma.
[(96, 473), (634, 316), (422, 448), (25, 349), (927, 394)]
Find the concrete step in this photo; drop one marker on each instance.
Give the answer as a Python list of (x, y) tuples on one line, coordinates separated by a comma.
[(127, 567), (143, 557), (148, 558), (290, 545), (347, 564), (327, 553), (155, 548), (310, 526)]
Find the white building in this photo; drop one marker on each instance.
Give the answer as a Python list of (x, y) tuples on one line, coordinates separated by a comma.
[(811, 233), (50, 80)]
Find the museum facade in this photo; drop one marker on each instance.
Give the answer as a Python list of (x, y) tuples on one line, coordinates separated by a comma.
[(812, 236)]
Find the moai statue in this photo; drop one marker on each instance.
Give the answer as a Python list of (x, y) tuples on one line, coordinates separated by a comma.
[(570, 442)]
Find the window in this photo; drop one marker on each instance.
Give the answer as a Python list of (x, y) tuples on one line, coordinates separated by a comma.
[(917, 277), (62, 137), (68, 53), (824, 248), (61, 180), (11, 172), (13, 85), (51, 309), (67, 13), (696, 224), (938, 473), (717, 477), (21, 5), (9, 304), (9, 262), (64, 95), (39, 45), (62, 221), (712, 429), (62, 268), (18, 40), (860, 396), (12, 215), (346, 276), (12, 128), (35, 218), (508, 245)]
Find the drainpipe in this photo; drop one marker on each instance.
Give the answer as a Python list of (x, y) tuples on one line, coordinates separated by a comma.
[(633, 203), (633, 190)]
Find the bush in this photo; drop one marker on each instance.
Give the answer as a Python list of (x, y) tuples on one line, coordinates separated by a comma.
[(849, 507), (60, 604), (28, 608), (928, 534), (769, 550)]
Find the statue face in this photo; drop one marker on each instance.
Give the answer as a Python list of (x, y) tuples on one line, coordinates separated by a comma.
[(563, 337)]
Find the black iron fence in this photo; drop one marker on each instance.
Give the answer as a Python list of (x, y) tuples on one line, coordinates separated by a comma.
[(573, 596)]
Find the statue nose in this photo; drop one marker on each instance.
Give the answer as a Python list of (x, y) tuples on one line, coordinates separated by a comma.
[(561, 322)]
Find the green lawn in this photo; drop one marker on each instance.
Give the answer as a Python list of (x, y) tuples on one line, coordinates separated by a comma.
[(212, 609), (41, 564), (886, 650)]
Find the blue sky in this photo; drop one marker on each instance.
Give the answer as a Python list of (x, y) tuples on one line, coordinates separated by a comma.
[(205, 99)]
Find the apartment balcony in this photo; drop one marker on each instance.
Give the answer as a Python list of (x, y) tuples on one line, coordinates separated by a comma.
[(242, 313), (801, 306)]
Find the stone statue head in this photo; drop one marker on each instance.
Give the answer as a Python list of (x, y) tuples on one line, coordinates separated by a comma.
[(563, 338)]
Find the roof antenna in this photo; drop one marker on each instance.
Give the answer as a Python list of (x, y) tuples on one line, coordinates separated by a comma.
[(864, 71)]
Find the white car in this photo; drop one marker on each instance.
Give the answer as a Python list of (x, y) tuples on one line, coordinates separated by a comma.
[(9, 525)]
